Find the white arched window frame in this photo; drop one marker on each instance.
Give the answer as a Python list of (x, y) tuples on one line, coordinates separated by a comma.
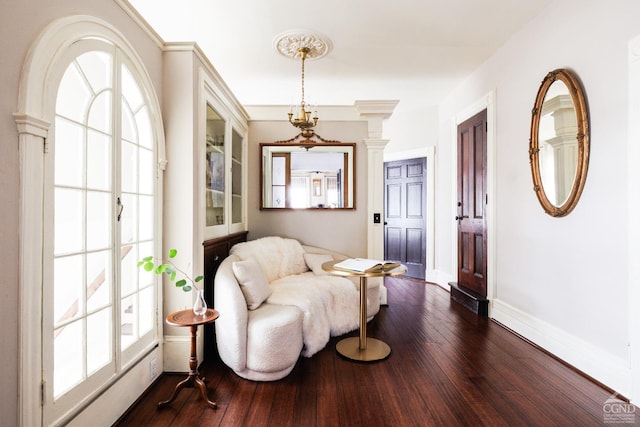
[(41, 75)]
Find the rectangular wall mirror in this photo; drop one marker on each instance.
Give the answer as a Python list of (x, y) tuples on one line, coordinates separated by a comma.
[(307, 175)]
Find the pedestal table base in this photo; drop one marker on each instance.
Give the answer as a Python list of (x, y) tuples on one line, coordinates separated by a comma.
[(188, 318), (375, 349)]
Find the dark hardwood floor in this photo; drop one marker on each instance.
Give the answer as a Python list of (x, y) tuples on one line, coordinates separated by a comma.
[(447, 367)]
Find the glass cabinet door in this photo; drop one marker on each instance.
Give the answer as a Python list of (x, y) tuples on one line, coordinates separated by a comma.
[(215, 168), (236, 177)]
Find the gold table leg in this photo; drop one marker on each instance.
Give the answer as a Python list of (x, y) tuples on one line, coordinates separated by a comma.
[(360, 348)]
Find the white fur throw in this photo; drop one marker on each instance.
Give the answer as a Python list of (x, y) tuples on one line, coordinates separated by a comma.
[(278, 257), (330, 305), (315, 261)]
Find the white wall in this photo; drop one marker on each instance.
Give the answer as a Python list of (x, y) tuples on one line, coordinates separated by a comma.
[(561, 282), (411, 127), (344, 231)]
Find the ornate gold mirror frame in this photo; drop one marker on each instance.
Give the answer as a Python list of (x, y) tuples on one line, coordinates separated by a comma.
[(567, 154), (307, 172)]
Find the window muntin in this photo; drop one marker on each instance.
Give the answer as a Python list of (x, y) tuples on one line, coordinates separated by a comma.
[(103, 308)]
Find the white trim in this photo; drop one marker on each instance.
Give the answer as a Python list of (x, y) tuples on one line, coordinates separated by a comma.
[(141, 22), (115, 400), (375, 204), (602, 366), (31, 148), (222, 90), (440, 278), (633, 159), (488, 102), (429, 153), (375, 198), (177, 349)]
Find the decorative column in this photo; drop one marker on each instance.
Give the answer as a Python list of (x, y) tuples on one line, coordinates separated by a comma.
[(375, 112)]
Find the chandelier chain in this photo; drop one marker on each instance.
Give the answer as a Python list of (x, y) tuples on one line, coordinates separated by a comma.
[(302, 77), (303, 120)]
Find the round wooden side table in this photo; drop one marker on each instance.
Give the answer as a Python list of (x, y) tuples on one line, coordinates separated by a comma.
[(192, 320)]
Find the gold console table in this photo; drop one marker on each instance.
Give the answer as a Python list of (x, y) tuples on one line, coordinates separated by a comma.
[(360, 348)]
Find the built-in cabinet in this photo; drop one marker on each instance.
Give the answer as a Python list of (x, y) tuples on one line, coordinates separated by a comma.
[(205, 176), (214, 168), (223, 170)]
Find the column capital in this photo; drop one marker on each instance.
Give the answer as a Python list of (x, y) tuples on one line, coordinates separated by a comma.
[(31, 125), (375, 112), (382, 109), (375, 143)]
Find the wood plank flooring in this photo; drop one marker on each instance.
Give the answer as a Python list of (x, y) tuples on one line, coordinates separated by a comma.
[(447, 367)]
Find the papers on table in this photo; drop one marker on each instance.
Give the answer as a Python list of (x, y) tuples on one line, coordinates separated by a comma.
[(363, 265)]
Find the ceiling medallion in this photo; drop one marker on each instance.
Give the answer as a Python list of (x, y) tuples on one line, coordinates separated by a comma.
[(298, 43), (287, 44)]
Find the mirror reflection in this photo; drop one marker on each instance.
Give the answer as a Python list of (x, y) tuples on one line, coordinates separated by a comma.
[(308, 176), (558, 144)]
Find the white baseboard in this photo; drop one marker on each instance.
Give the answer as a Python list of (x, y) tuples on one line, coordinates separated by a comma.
[(610, 370), (440, 278), (177, 349), (109, 406)]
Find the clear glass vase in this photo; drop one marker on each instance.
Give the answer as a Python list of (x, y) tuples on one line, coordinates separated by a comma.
[(200, 305)]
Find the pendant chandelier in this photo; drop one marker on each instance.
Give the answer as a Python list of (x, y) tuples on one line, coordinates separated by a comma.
[(303, 120), (304, 45)]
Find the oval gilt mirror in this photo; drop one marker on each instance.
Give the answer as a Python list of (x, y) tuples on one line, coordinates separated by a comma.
[(559, 143)]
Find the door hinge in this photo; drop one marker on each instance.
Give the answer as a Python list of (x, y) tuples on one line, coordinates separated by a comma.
[(43, 387), (45, 146), (486, 199)]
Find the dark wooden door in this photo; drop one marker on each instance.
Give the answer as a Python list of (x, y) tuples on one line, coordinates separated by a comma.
[(405, 214), (472, 203)]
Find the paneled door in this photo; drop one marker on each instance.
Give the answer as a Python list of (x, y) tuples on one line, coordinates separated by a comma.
[(472, 203), (405, 214)]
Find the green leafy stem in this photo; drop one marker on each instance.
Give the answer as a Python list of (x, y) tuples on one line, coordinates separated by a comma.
[(171, 270)]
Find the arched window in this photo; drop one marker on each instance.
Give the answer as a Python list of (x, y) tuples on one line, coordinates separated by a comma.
[(99, 216)]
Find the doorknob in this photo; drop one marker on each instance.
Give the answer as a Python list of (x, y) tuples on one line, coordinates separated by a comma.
[(458, 218)]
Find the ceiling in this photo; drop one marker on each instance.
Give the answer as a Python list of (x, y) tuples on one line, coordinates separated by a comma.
[(414, 51)]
